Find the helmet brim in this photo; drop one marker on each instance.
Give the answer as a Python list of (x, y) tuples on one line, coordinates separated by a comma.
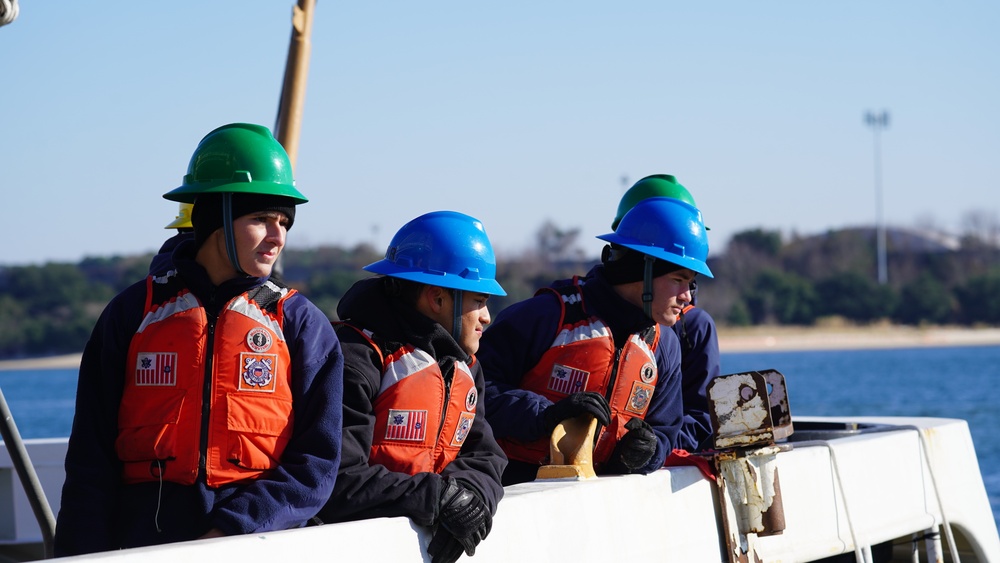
[(440, 279), (691, 263), (182, 223), (189, 193)]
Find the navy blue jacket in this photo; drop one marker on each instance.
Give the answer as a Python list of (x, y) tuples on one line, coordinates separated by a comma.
[(700, 363), (100, 513), (515, 342), (161, 263)]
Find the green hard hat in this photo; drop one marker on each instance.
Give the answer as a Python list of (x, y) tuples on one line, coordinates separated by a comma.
[(238, 158), (657, 185)]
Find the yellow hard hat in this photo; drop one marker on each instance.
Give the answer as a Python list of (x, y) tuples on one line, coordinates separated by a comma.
[(183, 219)]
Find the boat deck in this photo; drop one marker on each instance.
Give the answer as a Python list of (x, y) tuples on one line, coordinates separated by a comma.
[(861, 494)]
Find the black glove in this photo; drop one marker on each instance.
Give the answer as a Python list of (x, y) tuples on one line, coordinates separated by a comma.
[(585, 402), (634, 449), (444, 548), (464, 520)]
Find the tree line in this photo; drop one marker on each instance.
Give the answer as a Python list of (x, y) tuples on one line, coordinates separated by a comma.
[(760, 279)]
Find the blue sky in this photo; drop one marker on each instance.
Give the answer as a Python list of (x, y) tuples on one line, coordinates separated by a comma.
[(515, 112)]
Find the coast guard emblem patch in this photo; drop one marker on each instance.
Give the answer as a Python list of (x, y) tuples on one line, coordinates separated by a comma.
[(410, 426), (464, 426), (567, 380), (259, 339), (638, 400), (154, 369), (258, 372)]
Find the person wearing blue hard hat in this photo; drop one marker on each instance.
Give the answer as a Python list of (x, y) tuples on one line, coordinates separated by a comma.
[(695, 328), (416, 441), (592, 345)]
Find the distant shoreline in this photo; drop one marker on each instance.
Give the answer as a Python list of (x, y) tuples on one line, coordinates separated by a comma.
[(752, 339), (68, 361), (784, 339)]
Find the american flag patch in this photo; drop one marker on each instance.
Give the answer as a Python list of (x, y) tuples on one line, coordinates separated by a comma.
[(156, 369), (567, 380), (406, 425)]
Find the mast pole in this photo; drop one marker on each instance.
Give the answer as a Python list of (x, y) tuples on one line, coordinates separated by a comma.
[(288, 124), (293, 89)]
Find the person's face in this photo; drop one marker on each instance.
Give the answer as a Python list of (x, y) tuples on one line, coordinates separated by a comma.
[(671, 293), (475, 317), (259, 240)]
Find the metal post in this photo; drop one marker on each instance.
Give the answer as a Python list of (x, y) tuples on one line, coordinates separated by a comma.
[(932, 541), (29, 479), (878, 123)]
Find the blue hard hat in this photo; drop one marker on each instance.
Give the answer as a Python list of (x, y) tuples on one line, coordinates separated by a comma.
[(443, 248), (665, 228)]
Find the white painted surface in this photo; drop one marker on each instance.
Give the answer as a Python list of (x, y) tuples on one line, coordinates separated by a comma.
[(886, 493), (17, 519)]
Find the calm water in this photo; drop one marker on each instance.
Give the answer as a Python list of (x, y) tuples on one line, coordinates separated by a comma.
[(935, 382)]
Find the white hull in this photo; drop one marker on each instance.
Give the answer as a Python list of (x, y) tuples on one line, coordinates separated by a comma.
[(885, 492)]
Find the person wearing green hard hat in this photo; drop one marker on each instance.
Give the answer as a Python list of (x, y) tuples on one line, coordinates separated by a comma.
[(656, 185), (238, 169), (182, 222), (591, 346), (210, 397), (695, 327), (416, 441)]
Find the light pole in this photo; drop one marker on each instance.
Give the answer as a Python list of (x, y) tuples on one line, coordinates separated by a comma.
[(878, 122)]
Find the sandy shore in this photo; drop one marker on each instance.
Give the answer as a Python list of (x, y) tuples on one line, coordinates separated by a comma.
[(754, 339), (764, 339), (69, 361)]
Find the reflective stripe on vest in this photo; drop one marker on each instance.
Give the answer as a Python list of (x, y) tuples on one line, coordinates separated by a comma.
[(420, 422), (582, 357), (249, 416)]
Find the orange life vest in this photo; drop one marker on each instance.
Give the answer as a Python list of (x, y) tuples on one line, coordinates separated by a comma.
[(583, 358), (421, 421), (235, 424)]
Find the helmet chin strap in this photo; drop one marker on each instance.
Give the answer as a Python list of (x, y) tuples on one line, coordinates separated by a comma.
[(456, 315), (647, 286), (228, 233)]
